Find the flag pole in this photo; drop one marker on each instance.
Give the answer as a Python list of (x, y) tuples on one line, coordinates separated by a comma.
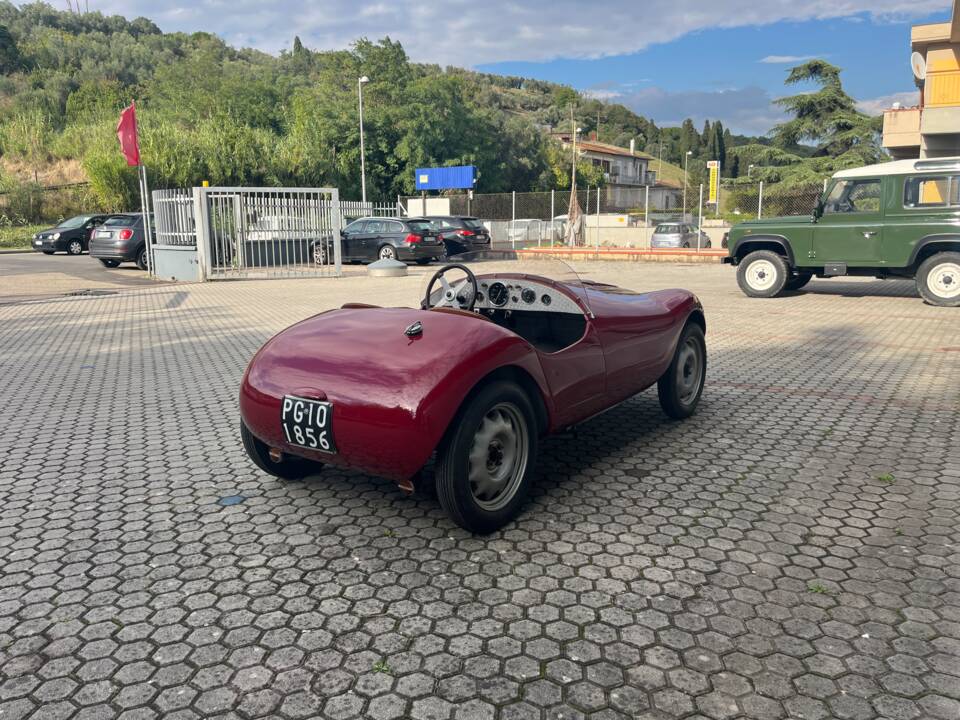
[(145, 212)]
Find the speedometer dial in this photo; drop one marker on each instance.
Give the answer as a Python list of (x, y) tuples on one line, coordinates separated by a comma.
[(498, 294)]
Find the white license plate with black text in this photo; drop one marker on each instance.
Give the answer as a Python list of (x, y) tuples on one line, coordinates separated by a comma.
[(308, 423)]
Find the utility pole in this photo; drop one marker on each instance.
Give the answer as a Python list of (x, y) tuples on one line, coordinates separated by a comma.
[(363, 168), (685, 159)]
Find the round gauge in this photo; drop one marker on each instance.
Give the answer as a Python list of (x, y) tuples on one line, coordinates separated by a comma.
[(498, 294), (529, 296), (546, 300)]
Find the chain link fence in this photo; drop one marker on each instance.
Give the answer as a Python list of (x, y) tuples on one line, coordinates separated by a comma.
[(751, 200)]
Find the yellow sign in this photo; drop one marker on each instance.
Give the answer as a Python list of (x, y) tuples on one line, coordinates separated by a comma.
[(714, 166)]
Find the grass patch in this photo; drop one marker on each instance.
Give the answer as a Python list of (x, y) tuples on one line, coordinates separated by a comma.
[(818, 588), (381, 667), (886, 479), (18, 236)]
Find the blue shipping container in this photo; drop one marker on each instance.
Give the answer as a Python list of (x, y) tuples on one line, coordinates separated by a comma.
[(446, 178)]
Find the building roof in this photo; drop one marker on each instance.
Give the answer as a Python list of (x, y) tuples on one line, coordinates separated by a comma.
[(604, 148), (902, 167)]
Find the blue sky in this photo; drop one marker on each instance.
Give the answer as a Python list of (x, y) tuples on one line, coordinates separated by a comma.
[(666, 59), (729, 73)]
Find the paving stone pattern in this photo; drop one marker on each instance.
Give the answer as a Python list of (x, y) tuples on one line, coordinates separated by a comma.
[(791, 551)]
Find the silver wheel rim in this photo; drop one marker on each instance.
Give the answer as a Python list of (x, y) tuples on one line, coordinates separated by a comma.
[(943, 280), (498, 457), (386, 253), (76, 248), (689, 371), (761, 274)]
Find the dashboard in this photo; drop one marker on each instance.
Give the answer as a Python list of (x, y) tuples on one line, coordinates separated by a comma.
[(522, 294)]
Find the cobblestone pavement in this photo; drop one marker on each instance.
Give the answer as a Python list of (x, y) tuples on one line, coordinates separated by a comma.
[(791, 551), (34, 275)]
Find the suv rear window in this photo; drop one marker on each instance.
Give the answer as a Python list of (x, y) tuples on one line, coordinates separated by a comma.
[(420, 225), (666, 229), (928, 192), (123, 221)]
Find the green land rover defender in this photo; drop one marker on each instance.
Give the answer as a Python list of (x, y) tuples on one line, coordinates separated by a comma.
[(895, 219)]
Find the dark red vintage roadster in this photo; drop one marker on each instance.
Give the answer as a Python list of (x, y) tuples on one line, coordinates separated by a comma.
[(503, 351)]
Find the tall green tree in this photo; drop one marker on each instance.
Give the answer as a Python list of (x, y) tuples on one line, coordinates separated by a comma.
[(9, 52), (827, 116)]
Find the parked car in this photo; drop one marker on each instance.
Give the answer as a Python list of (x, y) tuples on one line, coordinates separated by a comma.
[(679, 235), (500, 352), (121, 239), (895, 219), (384, 238), (461, 234), (71, 236)]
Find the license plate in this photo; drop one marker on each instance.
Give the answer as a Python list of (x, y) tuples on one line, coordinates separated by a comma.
[(103, 233), (308, 423), (38, 242)]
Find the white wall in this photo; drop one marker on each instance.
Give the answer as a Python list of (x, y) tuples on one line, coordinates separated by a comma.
[(428, 206)]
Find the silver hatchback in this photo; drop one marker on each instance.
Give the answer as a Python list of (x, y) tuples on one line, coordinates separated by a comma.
[(679, 235)]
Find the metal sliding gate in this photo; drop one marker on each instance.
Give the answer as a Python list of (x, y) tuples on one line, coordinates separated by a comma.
[(268, 232)]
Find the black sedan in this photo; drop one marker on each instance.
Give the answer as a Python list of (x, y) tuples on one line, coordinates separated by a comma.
[(71, 236), (387, 238), (121, 239), (461, 234)]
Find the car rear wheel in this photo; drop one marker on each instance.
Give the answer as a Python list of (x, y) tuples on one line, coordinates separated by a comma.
[(762, 274), (143, 259), (109, 263), (938, 279), (485, 465), (74, 247), (387, 252), (681, 386), (798, 281), (290, 467)]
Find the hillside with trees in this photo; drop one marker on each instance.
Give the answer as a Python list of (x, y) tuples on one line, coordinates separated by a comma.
[(208, 111)]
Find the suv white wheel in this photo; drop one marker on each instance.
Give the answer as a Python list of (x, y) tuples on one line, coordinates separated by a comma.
[(75, 247), (938, 279), (762, 274)]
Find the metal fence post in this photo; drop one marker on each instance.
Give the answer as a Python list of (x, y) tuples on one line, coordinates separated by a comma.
[(598, 220), (760, 202), (553, 215), (700, 216), (202, 228), (513, 220), (646, 208)]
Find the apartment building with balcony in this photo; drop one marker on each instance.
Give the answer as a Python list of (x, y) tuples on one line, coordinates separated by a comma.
[(931, 129), (627, 175)]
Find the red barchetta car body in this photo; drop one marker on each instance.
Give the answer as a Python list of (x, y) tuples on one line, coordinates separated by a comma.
[(394, 396)]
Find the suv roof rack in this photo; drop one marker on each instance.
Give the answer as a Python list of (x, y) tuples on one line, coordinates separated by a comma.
[(941, 164)]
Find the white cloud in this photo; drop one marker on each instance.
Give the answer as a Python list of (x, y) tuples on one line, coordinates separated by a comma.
[(601, 94), (876, 106), (787, 59), (475, 33), (748, 111)]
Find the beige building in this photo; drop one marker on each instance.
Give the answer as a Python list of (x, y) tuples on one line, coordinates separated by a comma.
[(931, 129)]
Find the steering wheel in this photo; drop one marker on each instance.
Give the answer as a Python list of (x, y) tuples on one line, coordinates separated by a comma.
[(452, 294)]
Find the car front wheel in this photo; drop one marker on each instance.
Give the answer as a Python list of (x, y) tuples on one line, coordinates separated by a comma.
[(74, 247), (938, 279), (289, 467), (762, 274), (485, 465), (681, 386), (47, 252)]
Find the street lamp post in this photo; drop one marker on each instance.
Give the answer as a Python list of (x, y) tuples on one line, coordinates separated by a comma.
[(685, 159), (363, 169)]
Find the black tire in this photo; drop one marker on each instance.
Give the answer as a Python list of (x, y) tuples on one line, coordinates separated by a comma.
[(143, 259), (109, 263), (501, 405), (938, 279), (424, 261), (387, 252), (48, 252), (681, 386), (75, 247), (763, 274), (289, 468), (798, 281)]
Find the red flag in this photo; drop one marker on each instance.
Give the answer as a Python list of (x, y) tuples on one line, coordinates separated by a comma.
[(127, 133)]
